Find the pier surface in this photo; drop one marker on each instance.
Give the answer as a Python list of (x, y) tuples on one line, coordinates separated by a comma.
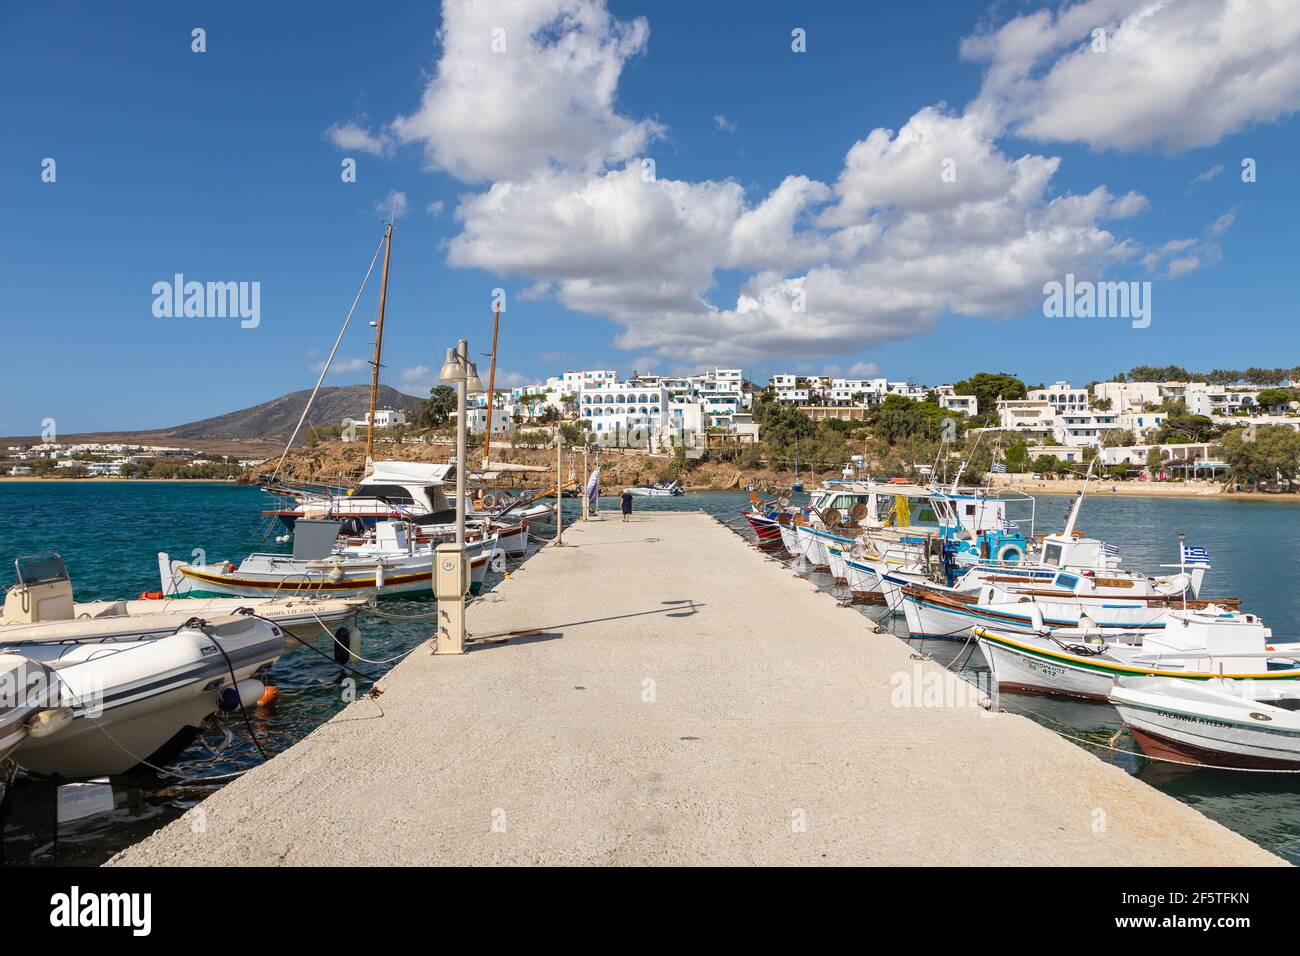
[(682, 699)]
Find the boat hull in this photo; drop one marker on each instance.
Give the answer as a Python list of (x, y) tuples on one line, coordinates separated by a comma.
[(1248, 735), (1039, 665), (767, 529), (143, 701)]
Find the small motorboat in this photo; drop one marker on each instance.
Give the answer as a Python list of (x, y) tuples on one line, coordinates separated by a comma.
[(24, 704), (660, 489), (40, 609), (387, 564), (128, 702), (1221, 721)]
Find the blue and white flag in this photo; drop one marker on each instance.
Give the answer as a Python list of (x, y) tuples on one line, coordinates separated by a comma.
[(1009, 525), (1110, 549), (1195, 555), (998, 468)]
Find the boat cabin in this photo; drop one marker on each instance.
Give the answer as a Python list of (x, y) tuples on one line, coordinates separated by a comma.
[(1067, 551)]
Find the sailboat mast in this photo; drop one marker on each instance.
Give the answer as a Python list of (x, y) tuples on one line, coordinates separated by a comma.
[(492, 381), (379, 345)]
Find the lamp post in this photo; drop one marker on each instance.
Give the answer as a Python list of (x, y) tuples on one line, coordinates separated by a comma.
[(451, 570), (559, 487)]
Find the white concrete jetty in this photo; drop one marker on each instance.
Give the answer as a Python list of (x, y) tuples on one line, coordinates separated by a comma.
[(677, 697)]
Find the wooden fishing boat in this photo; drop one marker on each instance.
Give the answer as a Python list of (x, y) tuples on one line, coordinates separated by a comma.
[(1249, 723), (390, 565), (1083, 662), (936, 611)]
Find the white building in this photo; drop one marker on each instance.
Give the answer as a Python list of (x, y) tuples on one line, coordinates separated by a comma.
[(966, 404), (1136, 455), (503, 425), (1061, 396), (1142, 423), (1128, 396), (1024, 415), (1208, 400), (618, 408), (386, 418), (1078, 428)]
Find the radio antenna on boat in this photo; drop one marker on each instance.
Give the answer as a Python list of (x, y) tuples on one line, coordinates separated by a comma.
[(379, 345)]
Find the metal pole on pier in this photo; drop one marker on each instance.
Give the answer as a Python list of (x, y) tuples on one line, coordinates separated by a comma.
[(586, 477), (451, 573), (559, 487)]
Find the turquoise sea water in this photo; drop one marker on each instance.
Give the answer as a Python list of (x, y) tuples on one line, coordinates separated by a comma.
[(109, 535)]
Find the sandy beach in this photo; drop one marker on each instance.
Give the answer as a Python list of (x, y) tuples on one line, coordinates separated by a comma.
[(1207, 490)]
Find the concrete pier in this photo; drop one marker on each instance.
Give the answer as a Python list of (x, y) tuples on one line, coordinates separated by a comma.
[(674, 696)]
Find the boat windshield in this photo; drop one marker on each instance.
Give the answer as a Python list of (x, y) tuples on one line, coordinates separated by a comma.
[(40, 569)]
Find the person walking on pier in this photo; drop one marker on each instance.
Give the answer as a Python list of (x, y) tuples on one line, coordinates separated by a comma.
[(625, 501)]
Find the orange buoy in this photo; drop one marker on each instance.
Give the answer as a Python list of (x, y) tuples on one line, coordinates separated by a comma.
[(151, 595), (270, 697)]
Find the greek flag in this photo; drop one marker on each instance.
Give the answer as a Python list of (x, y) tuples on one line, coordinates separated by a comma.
[(1195, 555), (998, 468), (1009, 525), (1110, 549)]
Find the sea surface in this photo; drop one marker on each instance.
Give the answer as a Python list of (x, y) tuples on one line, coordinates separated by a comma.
[(109, 535)]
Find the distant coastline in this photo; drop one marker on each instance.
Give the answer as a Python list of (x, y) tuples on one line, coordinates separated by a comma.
[(113, 479)]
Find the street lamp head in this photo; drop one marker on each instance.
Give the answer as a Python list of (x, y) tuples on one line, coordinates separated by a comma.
[(473, 384), (451, 369)]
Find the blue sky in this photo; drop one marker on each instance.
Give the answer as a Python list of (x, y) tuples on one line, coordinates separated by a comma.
[(225, 166)]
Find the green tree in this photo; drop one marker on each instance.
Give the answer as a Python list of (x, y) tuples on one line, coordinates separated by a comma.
[(1155, 460), (988, 387), (1185, 428), (897, 418), (1017, 457), (1275, 398), (1260, 455), (438, 407)]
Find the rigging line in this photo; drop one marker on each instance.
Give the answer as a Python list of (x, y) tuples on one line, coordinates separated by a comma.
[(325, 370), (419, 310)]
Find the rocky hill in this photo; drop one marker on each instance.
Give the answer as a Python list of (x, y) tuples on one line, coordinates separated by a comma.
[(274, 420), (262, 426)]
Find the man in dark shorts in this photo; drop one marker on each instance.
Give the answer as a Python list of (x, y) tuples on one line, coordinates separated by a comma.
[(625, 500)]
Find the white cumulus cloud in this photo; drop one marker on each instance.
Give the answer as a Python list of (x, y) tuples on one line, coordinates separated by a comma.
[(934, 218), (1173, 75), (522, 85)]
